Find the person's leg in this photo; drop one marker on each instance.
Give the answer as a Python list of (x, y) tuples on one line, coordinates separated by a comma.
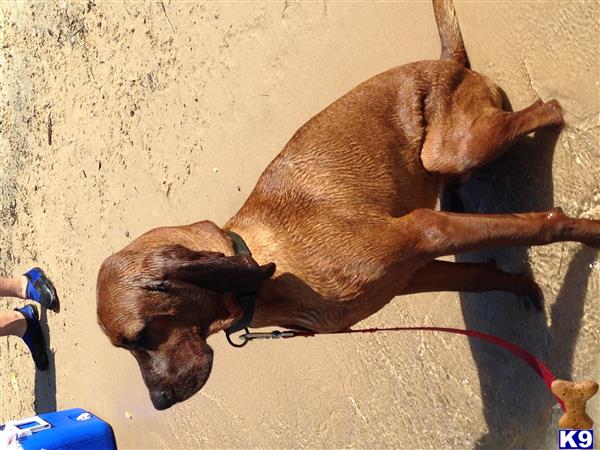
[(14, 287), (12, 323), (24, 323)]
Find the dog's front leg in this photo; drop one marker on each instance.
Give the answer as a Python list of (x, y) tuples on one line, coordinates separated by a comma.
[(426, 234), (438, 276)]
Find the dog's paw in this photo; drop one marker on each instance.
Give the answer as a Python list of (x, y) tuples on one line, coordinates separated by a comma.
[(538, 102), (530, 293), (555, 113), (593, 242), (590, 232)]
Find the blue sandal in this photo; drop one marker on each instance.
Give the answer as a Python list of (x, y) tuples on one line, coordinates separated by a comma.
[(41, 289), (33, 337)]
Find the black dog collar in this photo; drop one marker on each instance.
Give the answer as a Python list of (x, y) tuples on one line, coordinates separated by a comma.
[(246, 300)]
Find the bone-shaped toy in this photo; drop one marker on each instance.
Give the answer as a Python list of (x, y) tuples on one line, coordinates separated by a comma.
[(575, 395)]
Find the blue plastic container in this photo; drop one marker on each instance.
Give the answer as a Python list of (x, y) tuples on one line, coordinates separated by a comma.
[(73, 429)]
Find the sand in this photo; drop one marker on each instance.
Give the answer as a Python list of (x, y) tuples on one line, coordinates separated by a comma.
[(116, 118)]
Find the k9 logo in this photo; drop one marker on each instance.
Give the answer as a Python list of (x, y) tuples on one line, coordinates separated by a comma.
[(575, 439)]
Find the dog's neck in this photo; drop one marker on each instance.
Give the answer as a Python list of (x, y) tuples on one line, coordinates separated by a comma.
[(276, 303), (285, 300), (278, 306), (234, 314)]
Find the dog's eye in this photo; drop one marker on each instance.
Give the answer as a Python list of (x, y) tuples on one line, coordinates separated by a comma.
[(147, 339), (140, 339), (158, 286)]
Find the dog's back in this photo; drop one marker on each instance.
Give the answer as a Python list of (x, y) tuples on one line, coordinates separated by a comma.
[(360, 158)]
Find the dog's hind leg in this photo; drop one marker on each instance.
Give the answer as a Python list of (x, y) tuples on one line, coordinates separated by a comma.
[(437, 276), (481, 135)]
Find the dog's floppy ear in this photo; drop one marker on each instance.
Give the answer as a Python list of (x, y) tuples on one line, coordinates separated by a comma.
[(209, 270)]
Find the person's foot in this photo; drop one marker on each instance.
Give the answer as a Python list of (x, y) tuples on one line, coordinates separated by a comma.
[(33, 337), (41, 289)]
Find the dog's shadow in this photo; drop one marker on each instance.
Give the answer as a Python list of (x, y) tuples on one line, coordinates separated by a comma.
[(516, 404)]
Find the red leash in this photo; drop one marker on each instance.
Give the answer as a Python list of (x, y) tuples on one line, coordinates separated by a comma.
[(538, 367)]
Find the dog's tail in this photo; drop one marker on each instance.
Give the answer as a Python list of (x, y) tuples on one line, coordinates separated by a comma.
[(447, 24)]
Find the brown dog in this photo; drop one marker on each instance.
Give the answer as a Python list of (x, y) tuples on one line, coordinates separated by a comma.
[(346, 213)]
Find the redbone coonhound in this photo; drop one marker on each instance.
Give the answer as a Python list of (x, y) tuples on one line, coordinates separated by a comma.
[(339, 223)]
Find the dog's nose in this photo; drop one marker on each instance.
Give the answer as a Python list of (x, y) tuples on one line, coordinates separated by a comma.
[(161, 400)]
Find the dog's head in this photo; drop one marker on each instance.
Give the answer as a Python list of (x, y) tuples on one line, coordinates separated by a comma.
[(160, 298)]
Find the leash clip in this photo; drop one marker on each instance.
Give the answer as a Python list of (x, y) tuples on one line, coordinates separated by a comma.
[(243, 339), (247, 336), (275, 334)]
